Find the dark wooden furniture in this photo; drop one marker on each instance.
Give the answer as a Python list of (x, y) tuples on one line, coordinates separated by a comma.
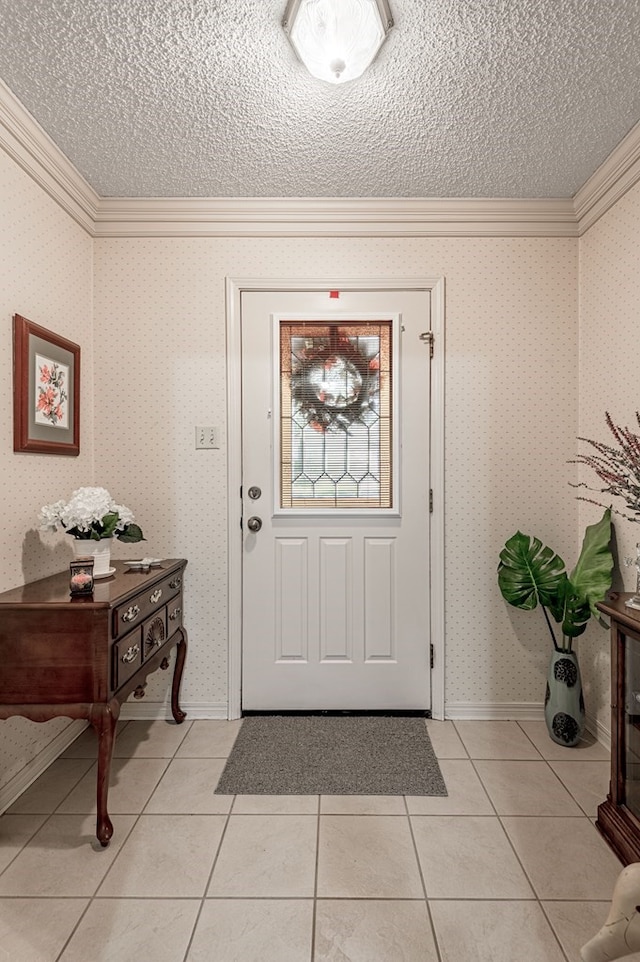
[(82, 657), (619, 816)]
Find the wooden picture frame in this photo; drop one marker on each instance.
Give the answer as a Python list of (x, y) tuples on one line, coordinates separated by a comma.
[(46, 391)]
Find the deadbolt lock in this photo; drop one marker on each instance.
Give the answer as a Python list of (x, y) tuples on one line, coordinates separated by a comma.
[(254, 493)]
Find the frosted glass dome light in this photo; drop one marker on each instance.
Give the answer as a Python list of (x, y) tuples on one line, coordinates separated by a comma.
[(337, 39)]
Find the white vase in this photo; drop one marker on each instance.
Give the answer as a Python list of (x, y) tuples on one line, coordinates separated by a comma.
[(100, 551)]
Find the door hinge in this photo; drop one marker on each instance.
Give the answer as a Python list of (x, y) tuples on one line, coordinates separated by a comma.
[(430, 500), (431, 655), (428, 338)]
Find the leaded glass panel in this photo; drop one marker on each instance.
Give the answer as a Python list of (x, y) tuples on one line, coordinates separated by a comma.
[(336, 414)]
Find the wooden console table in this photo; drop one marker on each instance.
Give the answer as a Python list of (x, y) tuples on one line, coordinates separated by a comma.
[(619, 816), (82, 657)]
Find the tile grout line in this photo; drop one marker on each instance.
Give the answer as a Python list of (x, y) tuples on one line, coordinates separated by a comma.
[(578, 803), (314, 912), (571, 761), (567, 789), (422, 880), (459, 737), (75, 928), (91, 898), (48, 815), (537, 897), (203, 900), (579, 814), (484, 787), (552, 927)]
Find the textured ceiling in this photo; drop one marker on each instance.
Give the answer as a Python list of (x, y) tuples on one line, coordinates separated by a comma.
[(468, 98)]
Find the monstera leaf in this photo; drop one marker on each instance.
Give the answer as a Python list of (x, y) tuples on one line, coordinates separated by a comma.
[(575, 611), (529, 574), (591, 577)]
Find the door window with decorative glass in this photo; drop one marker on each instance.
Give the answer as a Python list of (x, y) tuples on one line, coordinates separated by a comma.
[(336, 415)]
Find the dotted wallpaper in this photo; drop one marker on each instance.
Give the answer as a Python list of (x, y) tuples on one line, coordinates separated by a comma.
[(609, 352), (160, 370), (46, 275), (511, 417)]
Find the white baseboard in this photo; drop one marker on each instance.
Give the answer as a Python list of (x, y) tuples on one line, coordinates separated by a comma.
[(495, 711), (154, 710), (12, 790), (516, 711), (602, 733)]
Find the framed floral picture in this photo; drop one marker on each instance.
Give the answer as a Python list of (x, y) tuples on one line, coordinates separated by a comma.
[(46, 390)]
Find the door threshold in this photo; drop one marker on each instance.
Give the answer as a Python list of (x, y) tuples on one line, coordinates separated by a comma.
[(382, 712)]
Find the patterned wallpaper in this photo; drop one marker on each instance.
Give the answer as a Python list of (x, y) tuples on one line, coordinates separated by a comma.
[(46, 272), (511, 417), (609, 351)]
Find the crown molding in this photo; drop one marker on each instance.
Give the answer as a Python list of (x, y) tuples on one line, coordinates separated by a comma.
[(334, 217), (32, 149), (618, 174)]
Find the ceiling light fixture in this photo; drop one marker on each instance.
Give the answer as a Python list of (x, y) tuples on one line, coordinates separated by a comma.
[(337, 39)]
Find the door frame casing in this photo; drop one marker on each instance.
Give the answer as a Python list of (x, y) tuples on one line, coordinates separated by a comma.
[(235, 287)]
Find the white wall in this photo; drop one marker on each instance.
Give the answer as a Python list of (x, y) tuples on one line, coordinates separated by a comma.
[(45, 275)]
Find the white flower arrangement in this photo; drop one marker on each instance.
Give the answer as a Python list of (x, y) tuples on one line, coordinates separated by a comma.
[(91, 514)]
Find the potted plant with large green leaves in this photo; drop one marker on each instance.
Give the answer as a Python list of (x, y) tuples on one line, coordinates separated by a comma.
[(531, 574)]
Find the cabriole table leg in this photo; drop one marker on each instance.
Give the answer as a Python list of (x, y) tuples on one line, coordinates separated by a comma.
[(104, 719), (181, 654)]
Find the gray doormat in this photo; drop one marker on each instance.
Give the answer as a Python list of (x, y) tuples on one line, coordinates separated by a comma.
[(332, 755)]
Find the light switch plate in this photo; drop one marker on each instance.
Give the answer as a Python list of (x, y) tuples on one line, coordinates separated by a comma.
[(206, 437)]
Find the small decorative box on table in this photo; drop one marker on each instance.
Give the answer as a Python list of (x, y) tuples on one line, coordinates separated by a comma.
[(81, 657)]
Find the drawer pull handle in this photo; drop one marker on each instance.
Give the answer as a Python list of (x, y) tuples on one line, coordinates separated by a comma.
[(155, 596), (131, 613), (175, 583), (130, 654), (175, 614)]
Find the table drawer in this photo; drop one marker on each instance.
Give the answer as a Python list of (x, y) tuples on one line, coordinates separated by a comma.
[(138, 608), (154, 633), (127, 657), (174, 614)]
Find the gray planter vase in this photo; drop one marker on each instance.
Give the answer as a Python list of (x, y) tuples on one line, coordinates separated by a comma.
[(564, 702)]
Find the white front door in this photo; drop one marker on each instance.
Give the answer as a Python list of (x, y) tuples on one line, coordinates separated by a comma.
[(335, 489)]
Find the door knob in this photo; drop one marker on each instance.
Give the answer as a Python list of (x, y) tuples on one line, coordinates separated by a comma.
[(254, 523)]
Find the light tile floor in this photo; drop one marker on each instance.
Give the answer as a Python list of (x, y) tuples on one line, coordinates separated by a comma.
[(508, 867)]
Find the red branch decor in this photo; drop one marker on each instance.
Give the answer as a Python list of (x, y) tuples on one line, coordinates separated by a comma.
[(617, 467)]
